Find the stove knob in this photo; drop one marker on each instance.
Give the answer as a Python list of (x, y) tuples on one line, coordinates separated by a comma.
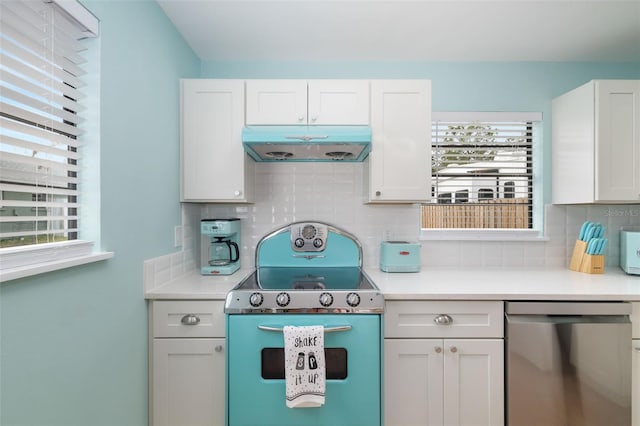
[(326, 299), (353, 299), (256, 299), (283, 299), (299, 242), (317, 243)]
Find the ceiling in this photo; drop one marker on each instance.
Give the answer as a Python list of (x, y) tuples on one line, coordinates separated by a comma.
[(415, 30)]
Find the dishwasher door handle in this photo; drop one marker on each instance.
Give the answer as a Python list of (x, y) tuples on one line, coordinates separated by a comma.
[(568, 308), (568, 319)]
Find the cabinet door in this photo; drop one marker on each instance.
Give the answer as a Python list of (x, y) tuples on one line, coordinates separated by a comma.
[(617, 131), (413, 374), (474, 382), (635, 383), (400, 158), (188, 382), (276, 102), (338, 102), (214, 165)]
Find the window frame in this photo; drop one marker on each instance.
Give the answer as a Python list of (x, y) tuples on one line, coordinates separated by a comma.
[(28, 260), (496, 234)]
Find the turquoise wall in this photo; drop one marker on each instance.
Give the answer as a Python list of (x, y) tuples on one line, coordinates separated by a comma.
[(74, 342)]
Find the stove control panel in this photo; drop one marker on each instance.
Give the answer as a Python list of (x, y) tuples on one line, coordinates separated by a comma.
[(308, 237)]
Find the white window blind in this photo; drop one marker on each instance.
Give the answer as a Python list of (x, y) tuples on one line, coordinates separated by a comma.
[(40, 120), (482, 171)]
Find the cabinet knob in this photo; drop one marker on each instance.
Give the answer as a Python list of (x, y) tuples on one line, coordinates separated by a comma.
[(314, 118), (378, 193), (443, 319), (237, 193), (453, 349), (190, 319), (438, 349), (301, 118), (218, 348)]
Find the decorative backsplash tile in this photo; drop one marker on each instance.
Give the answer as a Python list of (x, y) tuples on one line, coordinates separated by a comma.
[(333, 193)]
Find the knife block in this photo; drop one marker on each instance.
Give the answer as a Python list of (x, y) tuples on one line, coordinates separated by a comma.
[(583, 262), (579, 252), (592, 264)]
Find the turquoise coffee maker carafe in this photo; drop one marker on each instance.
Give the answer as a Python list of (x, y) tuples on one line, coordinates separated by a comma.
[(220, 248)]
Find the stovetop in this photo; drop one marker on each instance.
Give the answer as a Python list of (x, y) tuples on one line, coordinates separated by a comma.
[(307, 267)]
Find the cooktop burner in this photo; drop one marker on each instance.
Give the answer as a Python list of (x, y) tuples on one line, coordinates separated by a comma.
[(307, 267)]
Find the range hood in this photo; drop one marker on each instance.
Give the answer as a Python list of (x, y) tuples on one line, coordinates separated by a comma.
[(307, 143)]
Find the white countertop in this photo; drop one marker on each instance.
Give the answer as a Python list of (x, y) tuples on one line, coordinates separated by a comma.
[(446, 284)]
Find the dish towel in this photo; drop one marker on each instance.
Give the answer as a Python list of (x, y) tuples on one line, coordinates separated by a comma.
[(304, 366)]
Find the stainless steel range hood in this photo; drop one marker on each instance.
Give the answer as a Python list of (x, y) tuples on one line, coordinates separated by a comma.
[(307, 143)]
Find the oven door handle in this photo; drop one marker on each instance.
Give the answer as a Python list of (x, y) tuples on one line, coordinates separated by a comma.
[(326, 330)]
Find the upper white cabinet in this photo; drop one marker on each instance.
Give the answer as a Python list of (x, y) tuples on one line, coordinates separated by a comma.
[(302, 102), (400, 159), (596, 143), (214, 166)]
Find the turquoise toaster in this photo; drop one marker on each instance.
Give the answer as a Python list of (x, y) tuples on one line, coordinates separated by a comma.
[(399, 256), (630, 251)]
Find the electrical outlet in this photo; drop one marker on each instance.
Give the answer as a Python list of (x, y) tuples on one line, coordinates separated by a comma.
[(178, 235)]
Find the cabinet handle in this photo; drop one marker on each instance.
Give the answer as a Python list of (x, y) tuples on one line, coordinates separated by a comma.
[(637, 349), (190, 319), (218, 348), (301, 118), (314, 118), (438, 349), (443, 319), (453, 349)]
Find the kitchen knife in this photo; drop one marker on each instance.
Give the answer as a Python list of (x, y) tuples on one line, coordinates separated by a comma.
[(603, 245), (583, 230)]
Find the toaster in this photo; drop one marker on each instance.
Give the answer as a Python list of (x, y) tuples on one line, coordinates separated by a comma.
[(399, 256), (630, 251)]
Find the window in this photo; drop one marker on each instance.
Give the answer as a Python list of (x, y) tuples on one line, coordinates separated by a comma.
[(486, 161), (40, 121)]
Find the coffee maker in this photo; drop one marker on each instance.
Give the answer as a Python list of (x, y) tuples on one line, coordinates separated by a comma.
[(220, 246)]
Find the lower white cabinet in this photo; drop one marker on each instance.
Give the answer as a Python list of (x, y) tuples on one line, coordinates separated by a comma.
[(443, 381), (635, 383), (635, 362), (188, 378), (187, 363)]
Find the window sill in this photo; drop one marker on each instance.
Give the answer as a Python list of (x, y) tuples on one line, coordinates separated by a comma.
[(481, 235), (26, 261)]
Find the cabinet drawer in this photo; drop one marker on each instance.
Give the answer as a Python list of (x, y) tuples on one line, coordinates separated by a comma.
[(188, 319), (443, 319)]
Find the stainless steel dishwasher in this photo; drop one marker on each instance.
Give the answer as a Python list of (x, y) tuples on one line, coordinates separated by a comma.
[(568, 364)]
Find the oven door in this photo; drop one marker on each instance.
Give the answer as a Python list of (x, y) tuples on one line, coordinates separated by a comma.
[(255, 371)]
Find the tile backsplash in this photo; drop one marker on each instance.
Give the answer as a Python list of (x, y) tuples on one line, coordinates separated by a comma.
[(333, 193)]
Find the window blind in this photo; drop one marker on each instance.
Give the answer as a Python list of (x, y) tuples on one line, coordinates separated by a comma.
[(482, 172), (40, 121)]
